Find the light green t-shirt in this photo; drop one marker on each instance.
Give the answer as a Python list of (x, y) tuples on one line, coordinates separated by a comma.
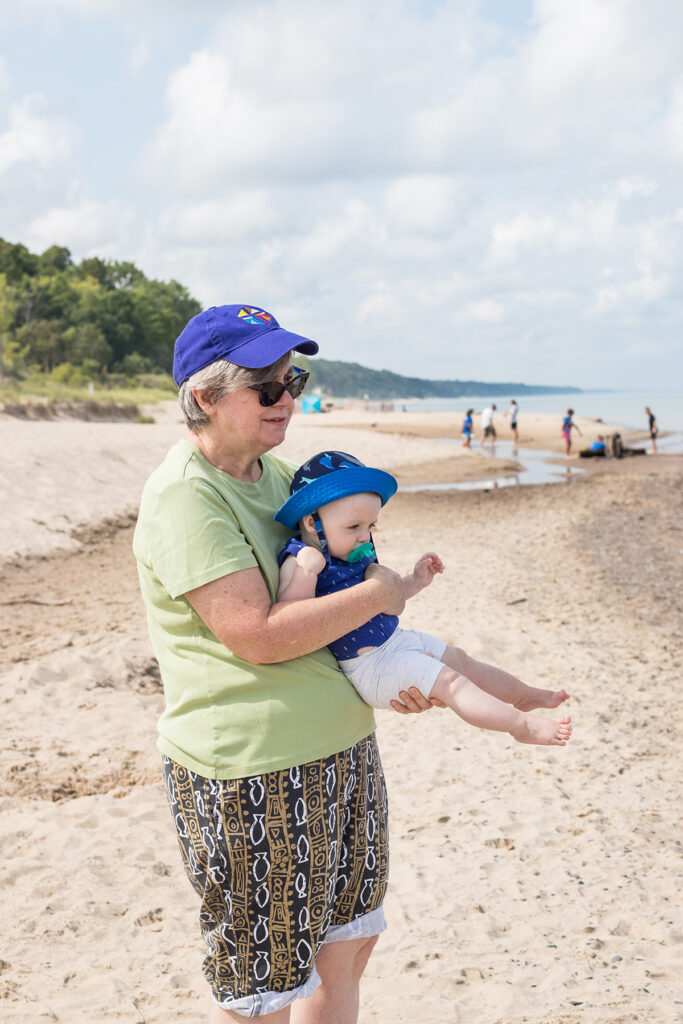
[(226, 718)]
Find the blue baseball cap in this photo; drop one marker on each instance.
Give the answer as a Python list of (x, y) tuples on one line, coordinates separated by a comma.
[(244, 335), (326, 477)]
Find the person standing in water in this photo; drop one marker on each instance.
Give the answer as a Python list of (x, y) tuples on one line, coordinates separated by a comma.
[(653, 428), (513, 410), (567, 426), (467, 428), (487, 427)]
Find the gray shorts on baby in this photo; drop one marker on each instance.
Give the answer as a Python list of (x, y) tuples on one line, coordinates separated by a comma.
[(402, 661)]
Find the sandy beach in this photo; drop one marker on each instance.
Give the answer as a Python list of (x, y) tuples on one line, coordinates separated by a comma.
[(528, 884)]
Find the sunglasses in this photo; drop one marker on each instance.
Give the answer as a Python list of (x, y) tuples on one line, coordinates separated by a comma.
[(271, 391)]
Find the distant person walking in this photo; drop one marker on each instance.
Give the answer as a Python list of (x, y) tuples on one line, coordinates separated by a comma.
[(653, 428), (487, 423), (567, 426), (512, 412), (467, 428)]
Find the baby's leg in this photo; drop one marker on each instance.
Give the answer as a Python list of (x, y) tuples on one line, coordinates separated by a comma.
[(481, 709), (502, 684)]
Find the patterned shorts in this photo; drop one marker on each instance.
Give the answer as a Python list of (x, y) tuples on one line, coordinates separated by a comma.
[(283, 862)]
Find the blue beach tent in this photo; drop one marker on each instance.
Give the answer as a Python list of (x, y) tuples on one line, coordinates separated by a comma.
[(311, 403)]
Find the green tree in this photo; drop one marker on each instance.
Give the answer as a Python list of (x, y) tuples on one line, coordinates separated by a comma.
[(16, 261), (46, 297), (43, 342), (55, 259), (162, 310), (86, 343), (9, 350), (124, 275), (94, 267)]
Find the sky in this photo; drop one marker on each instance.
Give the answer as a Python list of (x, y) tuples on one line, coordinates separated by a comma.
[(474, 189)]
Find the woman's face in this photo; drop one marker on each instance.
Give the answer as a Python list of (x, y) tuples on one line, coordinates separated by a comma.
[(244, 423)]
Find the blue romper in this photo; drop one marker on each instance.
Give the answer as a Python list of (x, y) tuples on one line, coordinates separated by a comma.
[(339, 575)]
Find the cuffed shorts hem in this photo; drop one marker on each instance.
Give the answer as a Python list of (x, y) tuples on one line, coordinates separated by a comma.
[(270, 1002), (402, 661), (364, 927), (258, 1005)]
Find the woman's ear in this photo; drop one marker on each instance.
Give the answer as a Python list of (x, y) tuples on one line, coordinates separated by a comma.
[(203, 399)]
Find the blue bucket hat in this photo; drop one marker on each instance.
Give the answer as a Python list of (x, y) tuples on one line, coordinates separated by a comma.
[(326, 477), (245, 335)]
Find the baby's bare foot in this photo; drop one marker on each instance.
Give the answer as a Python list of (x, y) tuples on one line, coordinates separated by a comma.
[(544, 731), (537, 698)]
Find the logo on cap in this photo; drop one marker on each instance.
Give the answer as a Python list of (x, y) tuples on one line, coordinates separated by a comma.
[(254, 316)]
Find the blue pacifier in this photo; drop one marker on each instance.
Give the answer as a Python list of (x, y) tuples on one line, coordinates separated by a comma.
[(362, 551)]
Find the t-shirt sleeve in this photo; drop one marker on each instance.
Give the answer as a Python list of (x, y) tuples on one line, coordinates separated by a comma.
[(193, 537), (292, 547)]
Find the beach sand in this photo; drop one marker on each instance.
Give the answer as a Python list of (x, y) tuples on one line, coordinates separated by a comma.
[(528, 884)]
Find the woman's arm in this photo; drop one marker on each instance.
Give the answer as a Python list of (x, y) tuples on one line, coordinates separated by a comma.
[(237, 610)]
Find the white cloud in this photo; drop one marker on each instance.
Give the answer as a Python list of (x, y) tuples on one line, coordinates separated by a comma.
[(306, 92), (37, 153), (627, 188), (248, 214), (86, 227), (487, 311), (523, 231), (218, 131), (425, 203), (35, 138)]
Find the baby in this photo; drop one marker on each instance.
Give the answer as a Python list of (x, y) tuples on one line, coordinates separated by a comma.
[(335, 500)]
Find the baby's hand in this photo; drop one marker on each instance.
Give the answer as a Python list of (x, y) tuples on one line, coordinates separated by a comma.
[(427, 567), (311, 560)]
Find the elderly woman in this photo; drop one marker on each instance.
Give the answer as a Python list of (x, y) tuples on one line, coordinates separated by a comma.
[(269, 756)]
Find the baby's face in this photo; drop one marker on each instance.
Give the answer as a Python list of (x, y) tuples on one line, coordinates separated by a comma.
[(347, 522)]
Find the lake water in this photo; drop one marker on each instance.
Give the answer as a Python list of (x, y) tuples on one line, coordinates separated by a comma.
[(536, 469), (622, 408)]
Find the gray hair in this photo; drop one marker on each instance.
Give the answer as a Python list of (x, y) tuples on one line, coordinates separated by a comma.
[(219, 379)]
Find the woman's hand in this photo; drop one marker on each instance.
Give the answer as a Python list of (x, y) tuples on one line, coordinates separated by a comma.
[(390, 581), (414, 702)]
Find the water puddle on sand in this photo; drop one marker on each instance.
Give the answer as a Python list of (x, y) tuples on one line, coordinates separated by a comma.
[(536, 469)]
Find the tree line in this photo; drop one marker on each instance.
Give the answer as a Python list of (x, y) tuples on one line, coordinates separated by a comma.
[(82, 321)]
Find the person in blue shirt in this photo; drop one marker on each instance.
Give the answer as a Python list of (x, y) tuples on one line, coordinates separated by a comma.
[(567, 426), (597, 449), (467, 428), (335, 501)]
